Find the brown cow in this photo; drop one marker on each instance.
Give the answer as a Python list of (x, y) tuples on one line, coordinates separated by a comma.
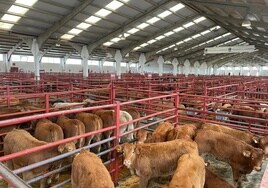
[(213, 180), (242, 157), (143, 136), (160, 133), (246, 136), (155, 159), (71, 128), (88, 171), (186, 131), (19, 140), (190, 172), (135, 115), (92, 122)]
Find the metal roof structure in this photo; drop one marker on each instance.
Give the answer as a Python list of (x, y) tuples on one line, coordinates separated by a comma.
[(171, 28)]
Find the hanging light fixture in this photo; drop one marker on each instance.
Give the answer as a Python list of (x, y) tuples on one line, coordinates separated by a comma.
[(246, 22)]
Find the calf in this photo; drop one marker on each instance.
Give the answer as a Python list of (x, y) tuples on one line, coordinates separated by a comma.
[(160, 133), (155, 159), (19, 140), (190, 172), (71, 128), (91, 122), (246, 136), (242, 157), (88, 171), (213, 180), (143, 136), (186, 131)]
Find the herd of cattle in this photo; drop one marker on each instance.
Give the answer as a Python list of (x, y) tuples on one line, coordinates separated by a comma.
[(168, 151)]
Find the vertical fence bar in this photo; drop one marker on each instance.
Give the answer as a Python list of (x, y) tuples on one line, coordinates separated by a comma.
[(204, 116), (176, 110), (8, 96), (116, 141), (47, 102), (72, 94)]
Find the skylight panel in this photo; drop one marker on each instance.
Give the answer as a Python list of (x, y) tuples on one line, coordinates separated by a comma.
[(10, 18), (169, 33), (93, 19), (177, 7), (67, 36), (188, 39), (217, 38), (198, 20), (6, 26), (178, 43), (114, 5), (178, 29), (164, 14), (196, 36), (83, 25), (17, 10), (26, 2), (226, 34), (171, 46), (108, 43), (188, 24), (75, 31), (133, 30), (103, 13), (153, 20), (144, 44), (142, 26), (210, 41), (137, 48), (152, 41), (235, 39), (160, 37), (116, 39), (205, 32)]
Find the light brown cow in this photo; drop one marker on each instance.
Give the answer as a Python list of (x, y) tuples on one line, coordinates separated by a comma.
[(72, 127), (242, 157), (160, 133), (92, 122), (213, 180), (246, 136), (190, 172), (186, 131), (143, 136), (155, 159), (19, 140), (88, 171)]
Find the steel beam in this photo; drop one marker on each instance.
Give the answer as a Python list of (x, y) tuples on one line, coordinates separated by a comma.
[(140, 18), (44, 36), (11, 51)]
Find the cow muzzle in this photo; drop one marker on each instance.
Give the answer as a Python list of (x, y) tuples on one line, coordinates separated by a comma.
[(127, 163), (257, 168)]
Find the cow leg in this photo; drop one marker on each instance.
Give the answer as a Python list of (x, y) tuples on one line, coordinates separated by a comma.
[(144, 182), (97, 138), (236, 178)]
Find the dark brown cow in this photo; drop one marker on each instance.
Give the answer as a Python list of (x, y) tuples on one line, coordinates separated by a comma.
[(160, 133), (71, 128), (246, 136), (88, 171), (186, 131), (242, 157), (190, 172), (155, 159), (213, 180), (19, 140), (92, 122)]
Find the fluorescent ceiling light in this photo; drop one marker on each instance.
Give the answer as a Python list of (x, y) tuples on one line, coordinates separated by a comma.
[(108, 43), (160, 37), (144, 44), (169, 33), (153, 20), (210, 41), (178, 29), (226, 34), (246, 23), (164, 14), (10, 18), (205, 32), (152, 41), (235, 39), (217, 38), (103, 12), (114, 5), (6, 26), (67, 36), (178, 43), (188, 39), (177, 7), (83, 25), (171, 46), (196, 36), (93, 19), (75, 31), (133, 30), (199, 19), (17, 10), (116, 39), (142, 26), (26, 2), (188, 24), (137, 48)]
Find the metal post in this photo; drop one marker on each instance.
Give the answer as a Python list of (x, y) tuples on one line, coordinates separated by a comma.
[(176, 110), (8, 96), (72, 94), (116, 141), (47, 102)]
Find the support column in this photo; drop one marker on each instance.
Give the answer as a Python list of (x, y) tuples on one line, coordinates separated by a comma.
[(142, 60), (160, 62), (37, 57), (250, 70), (118, 58), (85, 57), (128, 66), (101, 62), (215, 70), (63, 63), (196, 68), (6, 62), (187, 67), (175, 66), (261, 71)]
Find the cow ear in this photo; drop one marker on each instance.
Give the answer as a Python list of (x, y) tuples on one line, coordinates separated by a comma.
[(61, 148), (255, 139), (246, 153), (119, 148)]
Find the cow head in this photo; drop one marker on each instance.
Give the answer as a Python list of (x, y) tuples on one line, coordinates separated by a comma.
[(255, 158), (143, 136), (263, 144), (67, 147), (129, 152)]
